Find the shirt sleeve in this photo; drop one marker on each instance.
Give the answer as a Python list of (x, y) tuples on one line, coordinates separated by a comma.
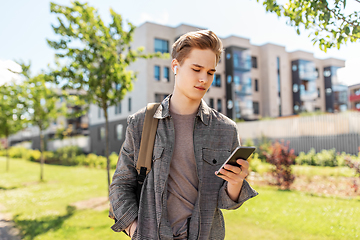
[(225, 201), (246, 192), (122, 191)]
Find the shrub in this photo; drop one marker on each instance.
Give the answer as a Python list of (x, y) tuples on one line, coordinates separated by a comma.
[(113, 160), (90, 159), (66, 155), (340, 159), (263, 147), (101, 162), (80, 159), (34, 155), (326, 158), (256, 165), (281, 158), (356, 166), (3, 152), (248, 143), (306, 159), (50, 157), (19, 152)]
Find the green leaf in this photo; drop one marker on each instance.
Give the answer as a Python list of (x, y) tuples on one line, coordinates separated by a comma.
[(347, 30)]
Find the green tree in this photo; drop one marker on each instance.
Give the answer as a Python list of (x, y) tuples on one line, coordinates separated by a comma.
[(42, 105), (96, 57), (331, 24), (11, 113)]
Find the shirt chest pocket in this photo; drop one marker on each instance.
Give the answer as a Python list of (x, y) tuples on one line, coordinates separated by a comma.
[(214, 158), (212, 161)]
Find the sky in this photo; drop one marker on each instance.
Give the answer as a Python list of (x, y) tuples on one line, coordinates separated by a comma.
[(25, 26)]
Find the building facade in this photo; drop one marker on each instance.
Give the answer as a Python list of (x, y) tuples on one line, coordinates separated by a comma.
[(354, 97), (251, 82)]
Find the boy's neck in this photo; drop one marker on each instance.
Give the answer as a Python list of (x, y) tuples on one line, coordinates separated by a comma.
[(180, 104)]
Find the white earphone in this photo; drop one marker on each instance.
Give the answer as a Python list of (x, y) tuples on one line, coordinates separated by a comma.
[(175, 68)]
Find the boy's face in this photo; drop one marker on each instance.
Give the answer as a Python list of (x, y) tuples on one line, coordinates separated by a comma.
[(195, 75)]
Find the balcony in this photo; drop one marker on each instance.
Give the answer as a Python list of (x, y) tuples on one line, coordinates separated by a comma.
[(354, 98)]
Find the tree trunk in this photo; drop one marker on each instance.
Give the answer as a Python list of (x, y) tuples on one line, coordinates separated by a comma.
[(7, 155), (107, 142), (42, 155)]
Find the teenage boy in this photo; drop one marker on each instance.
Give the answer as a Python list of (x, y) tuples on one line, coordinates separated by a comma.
[(182, 196)]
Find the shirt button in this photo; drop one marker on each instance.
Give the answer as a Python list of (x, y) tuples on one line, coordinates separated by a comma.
[(214, 161)]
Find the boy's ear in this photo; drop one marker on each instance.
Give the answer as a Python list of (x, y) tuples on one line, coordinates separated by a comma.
[(175, 65)]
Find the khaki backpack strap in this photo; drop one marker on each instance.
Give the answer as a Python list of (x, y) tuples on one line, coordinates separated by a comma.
[(144, 161)]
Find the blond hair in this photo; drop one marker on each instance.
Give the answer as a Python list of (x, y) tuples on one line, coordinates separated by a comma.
[(203, 39)]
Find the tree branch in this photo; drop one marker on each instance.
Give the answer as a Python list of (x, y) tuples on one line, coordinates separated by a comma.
[(342, 17), (326, 30)]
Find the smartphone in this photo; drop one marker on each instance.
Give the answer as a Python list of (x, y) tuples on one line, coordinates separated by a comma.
[(240, 152)]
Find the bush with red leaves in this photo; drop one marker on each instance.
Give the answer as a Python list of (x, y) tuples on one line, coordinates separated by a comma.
[(282, 158), (356, 166)]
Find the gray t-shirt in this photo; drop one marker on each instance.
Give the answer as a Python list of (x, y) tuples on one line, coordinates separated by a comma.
[(183, 180)]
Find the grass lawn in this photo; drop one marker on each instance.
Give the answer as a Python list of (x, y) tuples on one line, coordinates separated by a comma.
[(42, 210)]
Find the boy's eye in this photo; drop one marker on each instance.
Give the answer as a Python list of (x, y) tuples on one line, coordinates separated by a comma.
[(196, 70), (210, 73)]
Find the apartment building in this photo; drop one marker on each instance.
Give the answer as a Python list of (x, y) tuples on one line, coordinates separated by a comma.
[(75, 126), (354, 97), (251, 82)]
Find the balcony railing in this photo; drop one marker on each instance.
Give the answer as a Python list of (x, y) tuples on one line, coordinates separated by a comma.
[(354, 98)]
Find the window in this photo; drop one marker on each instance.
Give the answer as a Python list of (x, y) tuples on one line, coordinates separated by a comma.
[(129, 104), (157, 73), (161, 45), (118, 108), (236, 60), (328, 91), (119, 131), (211, 103), (327, 73), (295, 88), (256, 107), (102, 133), (166, 74), (229, 79), (357, 105), (219, 105), (253, 62), (318, 90), (217, 80), (316, 72), (99, 112), (256, 85)]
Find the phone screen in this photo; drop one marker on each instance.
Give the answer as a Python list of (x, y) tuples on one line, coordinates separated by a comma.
[(240, 152)]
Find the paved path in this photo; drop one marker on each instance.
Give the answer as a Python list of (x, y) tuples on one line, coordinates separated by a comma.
[(7, 227)]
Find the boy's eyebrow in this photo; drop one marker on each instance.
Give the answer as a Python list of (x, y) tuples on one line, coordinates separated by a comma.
[(199, 66)]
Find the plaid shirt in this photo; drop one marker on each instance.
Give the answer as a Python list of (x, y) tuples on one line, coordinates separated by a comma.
[(215, 137)]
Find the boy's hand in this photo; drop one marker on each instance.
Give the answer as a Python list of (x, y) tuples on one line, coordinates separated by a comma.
[(235, 177)]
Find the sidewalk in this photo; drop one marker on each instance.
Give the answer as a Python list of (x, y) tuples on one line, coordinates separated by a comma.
[(7, 227)]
